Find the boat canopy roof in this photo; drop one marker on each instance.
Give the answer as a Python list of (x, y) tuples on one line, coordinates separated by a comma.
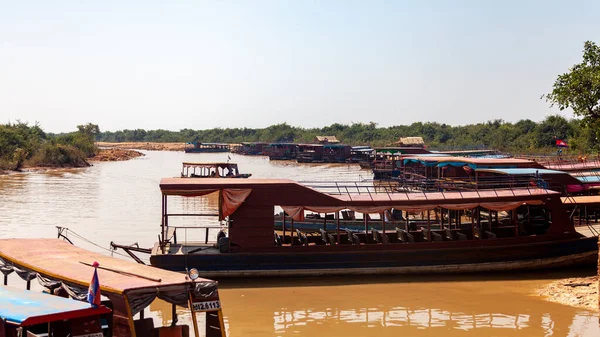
[(582, 200), (474, 163), (554, 175), (296, 198), (190, 164), (55, 262), (288, 192), (25, 307), (569, 166), (519, 171), (589, 179)]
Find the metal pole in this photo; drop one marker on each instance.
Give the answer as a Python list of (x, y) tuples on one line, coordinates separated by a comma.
[(194, 318), (366, 228), (337, 221), (173, 315), (283, 224), (292, 230), (383, 224)]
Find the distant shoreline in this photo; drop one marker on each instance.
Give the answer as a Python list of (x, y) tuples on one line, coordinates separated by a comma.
[(148, 146)]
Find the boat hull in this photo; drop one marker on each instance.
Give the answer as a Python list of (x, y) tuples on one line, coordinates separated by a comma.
[(417, 258)]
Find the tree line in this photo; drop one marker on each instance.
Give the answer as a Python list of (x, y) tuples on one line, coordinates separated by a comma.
[(524, 136), (22, 145)]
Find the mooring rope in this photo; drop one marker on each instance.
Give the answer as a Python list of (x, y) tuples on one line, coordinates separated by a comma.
[(110, 250)]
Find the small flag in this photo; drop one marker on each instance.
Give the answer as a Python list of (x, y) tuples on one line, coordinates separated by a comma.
[(93, 296), (561, 143)]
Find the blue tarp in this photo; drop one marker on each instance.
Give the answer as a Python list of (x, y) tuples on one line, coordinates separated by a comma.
[(589, 179), (455, 164), (520, 171), (18, 305)]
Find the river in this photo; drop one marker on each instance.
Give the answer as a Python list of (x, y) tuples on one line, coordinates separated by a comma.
[(121, 202)]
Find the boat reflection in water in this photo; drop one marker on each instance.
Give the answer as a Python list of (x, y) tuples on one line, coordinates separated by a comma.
[(398, 306)]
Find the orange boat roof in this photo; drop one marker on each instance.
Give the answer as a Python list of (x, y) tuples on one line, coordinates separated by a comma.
[(289, 192), (60, 260), (582, 200)]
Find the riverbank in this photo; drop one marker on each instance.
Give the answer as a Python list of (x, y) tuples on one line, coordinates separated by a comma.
[(581, 292), (115, 154), (143, 146)]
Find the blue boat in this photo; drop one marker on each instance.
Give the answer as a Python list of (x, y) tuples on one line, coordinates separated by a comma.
[(35, 314)]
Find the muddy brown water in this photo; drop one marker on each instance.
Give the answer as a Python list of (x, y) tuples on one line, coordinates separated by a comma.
[(120, 201)]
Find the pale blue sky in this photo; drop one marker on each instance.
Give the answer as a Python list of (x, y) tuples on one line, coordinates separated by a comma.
[(204, 64)]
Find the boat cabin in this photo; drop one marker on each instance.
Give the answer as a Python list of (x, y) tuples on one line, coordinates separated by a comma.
[(282, 151), (251, 148), (198, 147), (336, 153), (128, 288), (29, 313), (361, 154), (211, 170), (310, 153)]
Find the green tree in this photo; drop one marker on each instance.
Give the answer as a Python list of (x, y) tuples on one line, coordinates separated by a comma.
[(579, 89)]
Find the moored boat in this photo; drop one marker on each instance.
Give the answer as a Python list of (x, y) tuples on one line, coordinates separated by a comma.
[(29, 313), (128, 287), (451, 231), (212, 170)]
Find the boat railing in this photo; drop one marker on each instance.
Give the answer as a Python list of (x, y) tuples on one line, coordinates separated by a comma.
[(562, 161), (423, 189), (186, 234)]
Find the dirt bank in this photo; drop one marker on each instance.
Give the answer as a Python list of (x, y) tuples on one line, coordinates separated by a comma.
[(579, 292), (144, 146), (115, 155)]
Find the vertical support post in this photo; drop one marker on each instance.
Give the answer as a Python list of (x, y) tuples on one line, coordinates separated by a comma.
[(194, 318), (515, 221), (366, 227), (337, 225), (473, 222), (28, 284), (283, 225), (173, 315), (221, 322), (478, 218), (428, 226), (162, 221), (292, 230), (383, 224), (325, 222), (5, 280)]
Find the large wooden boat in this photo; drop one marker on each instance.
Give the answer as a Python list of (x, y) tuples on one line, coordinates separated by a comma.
[(29, 313), (129, 287), (212, 170), (494, 229)]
